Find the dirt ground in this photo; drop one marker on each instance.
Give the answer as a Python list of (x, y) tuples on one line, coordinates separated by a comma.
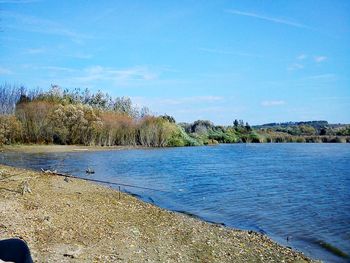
[(53, 148), (78, 221)]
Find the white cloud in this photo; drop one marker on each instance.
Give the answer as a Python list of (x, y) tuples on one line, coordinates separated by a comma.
[(295, 66), (97, 75), (215, 109), (103, 73), (328, 76), (225, 52), (270, 103), (301, 57), (190, 108), (33, 51), (343, 98), (5, 71), (267, 18), (40, 25), (177, 101), (82, 56), (49, 68), (319, 59), (216, 51)]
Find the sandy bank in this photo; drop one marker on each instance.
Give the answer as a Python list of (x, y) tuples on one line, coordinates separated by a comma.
[(77, 221), (52, 148)]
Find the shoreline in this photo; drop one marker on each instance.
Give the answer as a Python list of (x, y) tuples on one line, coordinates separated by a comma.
[(55, 148), (87, 222)]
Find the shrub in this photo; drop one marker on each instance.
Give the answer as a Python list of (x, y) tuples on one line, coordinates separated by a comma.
[(10, 129), (34, 119), (74, 124)]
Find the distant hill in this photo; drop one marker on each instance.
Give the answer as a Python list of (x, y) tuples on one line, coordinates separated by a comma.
[(315, 124)]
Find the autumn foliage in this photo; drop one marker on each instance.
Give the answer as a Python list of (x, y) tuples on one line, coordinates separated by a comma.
[(80, 118), (10, 129)]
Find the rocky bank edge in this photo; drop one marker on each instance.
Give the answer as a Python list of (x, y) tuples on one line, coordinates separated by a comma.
[(78, 221)]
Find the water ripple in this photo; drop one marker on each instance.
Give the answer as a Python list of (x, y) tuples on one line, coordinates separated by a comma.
[(299, 191)]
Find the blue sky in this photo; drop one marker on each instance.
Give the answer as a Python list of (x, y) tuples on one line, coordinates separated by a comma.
[(261, 61)]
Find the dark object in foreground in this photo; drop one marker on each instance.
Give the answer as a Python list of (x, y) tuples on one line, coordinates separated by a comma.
[(15, 250)]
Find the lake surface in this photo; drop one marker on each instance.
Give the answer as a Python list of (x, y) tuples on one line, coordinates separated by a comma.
[(299, 191)]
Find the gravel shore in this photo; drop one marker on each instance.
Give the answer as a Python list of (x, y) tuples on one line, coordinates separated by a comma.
[(78, 221), (54, 148)]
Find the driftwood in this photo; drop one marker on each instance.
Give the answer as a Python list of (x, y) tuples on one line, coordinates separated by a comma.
[(25, 187), (48, 171)]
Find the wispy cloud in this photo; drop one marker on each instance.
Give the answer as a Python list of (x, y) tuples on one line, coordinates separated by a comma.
[(18, 1), (59, 69), (347, 98), (194, 99), (267, 18), (271, 103), (213, 109), (319, 59), (34, 51), (39, 25), (327, 76), (301, 57), (295, 66), (49, 68), (5, 71), (94, 76), (226, 52), (82, 55), (64, 52), (177, 101), (191, 108)]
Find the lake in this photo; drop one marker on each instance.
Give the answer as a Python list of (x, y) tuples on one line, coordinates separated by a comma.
[(297, 194)]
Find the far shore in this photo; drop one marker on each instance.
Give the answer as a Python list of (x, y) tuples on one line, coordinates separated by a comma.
[(70, 220)]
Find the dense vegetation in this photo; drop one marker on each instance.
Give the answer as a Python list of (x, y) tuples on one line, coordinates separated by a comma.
[(80, 117), (309, 131)]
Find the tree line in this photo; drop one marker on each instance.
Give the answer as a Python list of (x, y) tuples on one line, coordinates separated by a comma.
[(82, 117)]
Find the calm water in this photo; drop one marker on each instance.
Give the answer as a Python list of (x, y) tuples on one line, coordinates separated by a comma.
[(300, 191)]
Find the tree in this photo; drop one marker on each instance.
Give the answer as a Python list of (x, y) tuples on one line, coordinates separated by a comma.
[(33, 116), (201, 126), (144, 112), (323, 131), (99, 100), (247, 127), (123, 105), (168, 118), (307, 130), (9, 96), (75, 124), (10, 129)]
